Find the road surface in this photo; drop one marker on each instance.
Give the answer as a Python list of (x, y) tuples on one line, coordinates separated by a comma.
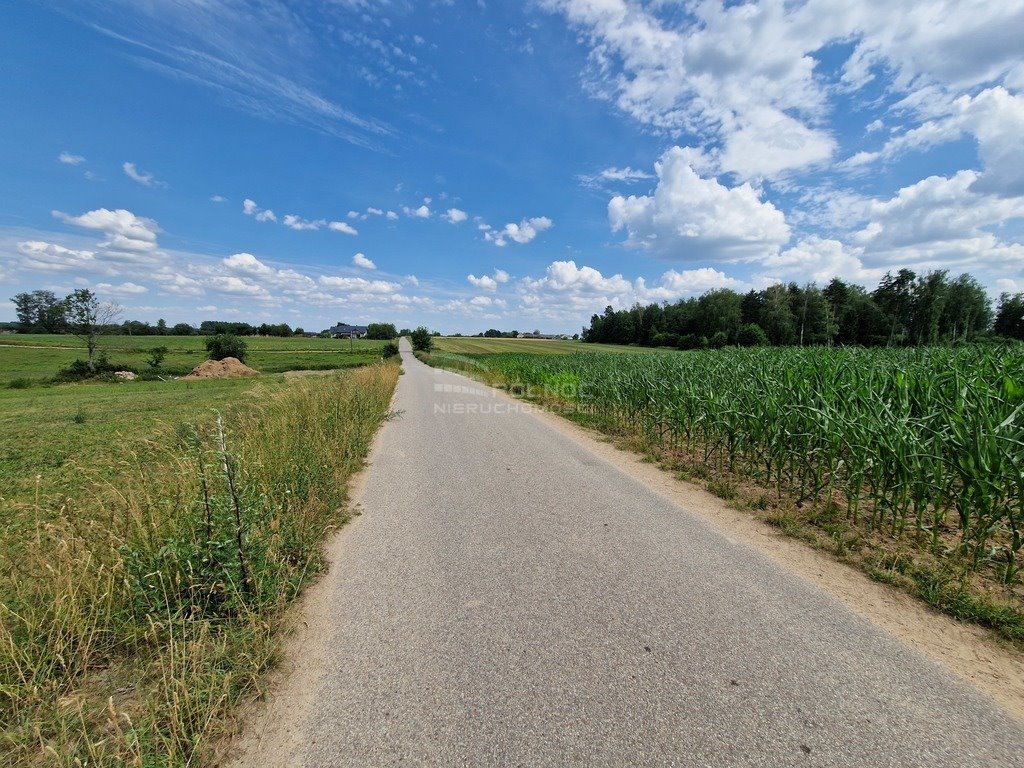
[(507, 598)]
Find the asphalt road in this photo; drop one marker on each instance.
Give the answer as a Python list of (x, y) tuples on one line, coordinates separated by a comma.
[(508, 598)]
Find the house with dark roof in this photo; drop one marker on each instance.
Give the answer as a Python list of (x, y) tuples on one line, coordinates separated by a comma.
[(346, 331)]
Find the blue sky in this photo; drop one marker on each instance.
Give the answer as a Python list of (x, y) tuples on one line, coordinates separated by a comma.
[(468, 165)]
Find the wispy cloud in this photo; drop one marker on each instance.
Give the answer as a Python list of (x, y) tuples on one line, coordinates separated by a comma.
[(141, 177), (69, 159), (259, 57)]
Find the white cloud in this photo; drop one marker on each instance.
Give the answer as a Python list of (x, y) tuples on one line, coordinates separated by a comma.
[(143, 178), (123, 289), (454, 216), (501, 276), (391, 215), (298, 223), (485, 282), (246, 263), (69, 159), (818, 260), (358, 284), (423, 212), (124, 230), (344, 227), (690, 217), (360, 260), (375, 211), (412, 279), (249, 208), (218, 199), (523, 232), (50, 257)]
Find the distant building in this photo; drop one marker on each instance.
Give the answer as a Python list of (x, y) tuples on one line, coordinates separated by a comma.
[(346, 331), (543, 336)]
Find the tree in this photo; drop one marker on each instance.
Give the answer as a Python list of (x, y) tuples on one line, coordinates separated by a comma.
[(161, 327), (381, 331), (492, 333), (39, 311), (421, 339), (224, 345), (1010, 316), (87, 317), (182, 329)]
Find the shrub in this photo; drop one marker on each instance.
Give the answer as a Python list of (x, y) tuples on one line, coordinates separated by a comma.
[(225, 345), (156, 356), (752, 335), (421, 340), (389, 350)]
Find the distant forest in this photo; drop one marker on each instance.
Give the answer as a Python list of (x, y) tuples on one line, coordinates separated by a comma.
[(904, 310)]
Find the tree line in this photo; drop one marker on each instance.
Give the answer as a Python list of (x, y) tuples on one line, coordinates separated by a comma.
[(904, 310), (45, 312)]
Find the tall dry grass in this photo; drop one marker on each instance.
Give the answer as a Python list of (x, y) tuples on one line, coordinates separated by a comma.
[(135, 618)]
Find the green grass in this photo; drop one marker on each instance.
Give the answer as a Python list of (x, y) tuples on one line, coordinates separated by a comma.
[(144, 589), (54, 439), (41, 356)]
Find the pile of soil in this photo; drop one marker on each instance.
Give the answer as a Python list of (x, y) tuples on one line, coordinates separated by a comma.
[(228, 368)]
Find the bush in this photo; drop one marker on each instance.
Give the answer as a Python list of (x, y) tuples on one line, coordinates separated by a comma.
[(752, 335), (80, 369), (389, 350), (381, 331), (225, 345), (156, 356), (421, 340)]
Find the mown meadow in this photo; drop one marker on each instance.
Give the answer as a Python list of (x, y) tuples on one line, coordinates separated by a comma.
[(155, 533), (29, 359), (909, 461)]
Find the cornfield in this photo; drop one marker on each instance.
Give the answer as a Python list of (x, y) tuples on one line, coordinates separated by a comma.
[(922, 442)]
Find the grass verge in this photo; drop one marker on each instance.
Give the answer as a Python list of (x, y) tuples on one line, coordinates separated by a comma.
[(140, 611)]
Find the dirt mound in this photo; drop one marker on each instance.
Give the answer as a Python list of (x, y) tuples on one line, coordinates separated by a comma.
[(228, 368)]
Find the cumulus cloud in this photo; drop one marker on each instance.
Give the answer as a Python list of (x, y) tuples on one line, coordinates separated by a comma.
[(523, 232), (69, 159), (360, 260), (124, 230), (689, 216), (342, 226), (485, 282), (141, 177), (423, 212), (300, 224), (249, 208), (454, 216), (391, 215)]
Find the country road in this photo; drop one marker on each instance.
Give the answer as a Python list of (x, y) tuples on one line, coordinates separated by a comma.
[(509, 598)]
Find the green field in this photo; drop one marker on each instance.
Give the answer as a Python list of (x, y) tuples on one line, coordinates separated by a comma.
[(111, 493), (475, 345), (40, 356)]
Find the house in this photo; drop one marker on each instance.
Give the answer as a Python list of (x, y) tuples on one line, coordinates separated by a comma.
[(346, 331)]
